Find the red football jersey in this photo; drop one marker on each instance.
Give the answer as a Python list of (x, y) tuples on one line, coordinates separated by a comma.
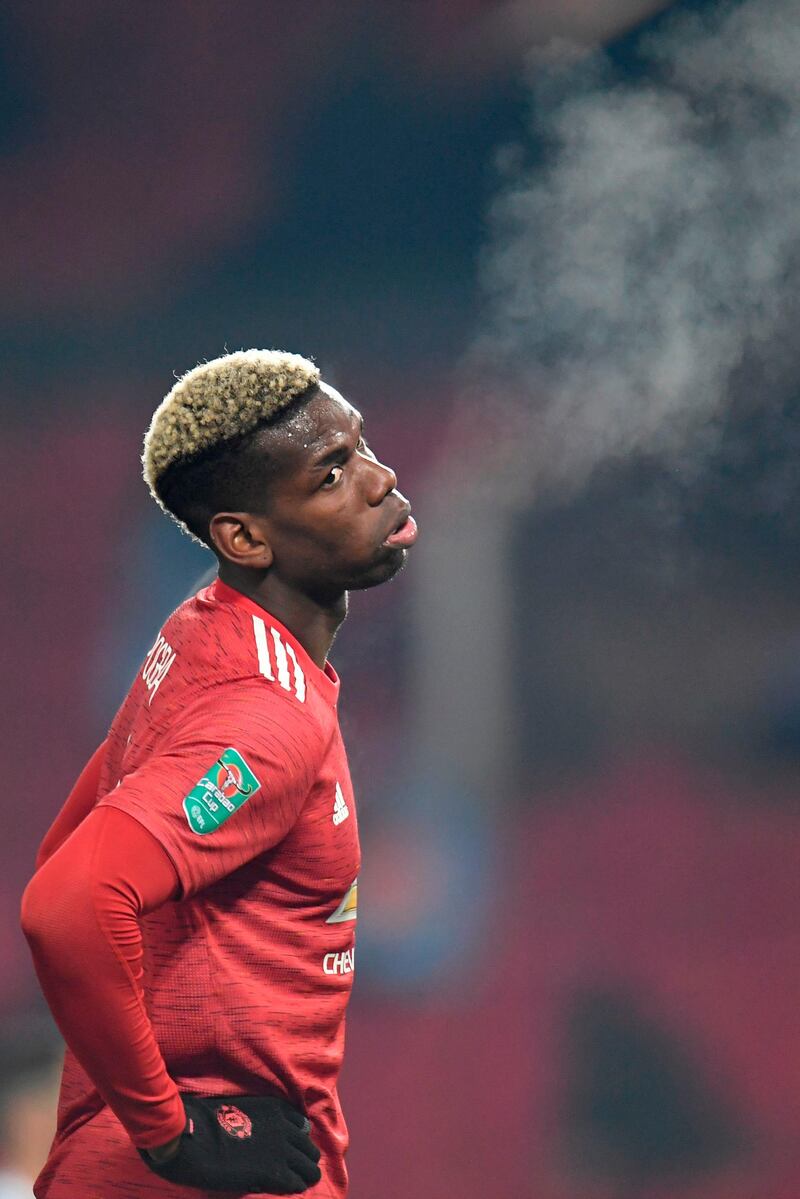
[(227, 749)]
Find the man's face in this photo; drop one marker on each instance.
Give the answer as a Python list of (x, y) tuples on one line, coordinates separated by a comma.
[(335, 520)]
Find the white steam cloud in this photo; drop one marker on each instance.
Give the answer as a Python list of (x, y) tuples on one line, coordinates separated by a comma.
[(654, 248)]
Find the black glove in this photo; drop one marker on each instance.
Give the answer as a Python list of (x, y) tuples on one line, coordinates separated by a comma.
[(242, 1143)]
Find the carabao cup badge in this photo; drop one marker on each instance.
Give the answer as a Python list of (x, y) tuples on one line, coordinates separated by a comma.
[(220, 792)]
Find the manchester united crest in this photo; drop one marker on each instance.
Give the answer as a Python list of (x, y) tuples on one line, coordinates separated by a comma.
[(234, 1121)]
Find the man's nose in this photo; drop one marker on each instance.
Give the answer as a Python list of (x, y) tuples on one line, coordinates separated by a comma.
[(384, 481)]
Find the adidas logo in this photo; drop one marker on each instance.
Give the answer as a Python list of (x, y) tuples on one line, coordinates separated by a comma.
[(340, 808)]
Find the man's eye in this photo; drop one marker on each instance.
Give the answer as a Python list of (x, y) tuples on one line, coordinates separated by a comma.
[(333, 477), (363, 448)]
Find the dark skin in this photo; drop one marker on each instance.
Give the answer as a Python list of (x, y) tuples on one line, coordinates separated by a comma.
[(329, 509)]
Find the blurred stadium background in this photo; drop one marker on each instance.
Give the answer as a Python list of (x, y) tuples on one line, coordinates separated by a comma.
[(578, 764)]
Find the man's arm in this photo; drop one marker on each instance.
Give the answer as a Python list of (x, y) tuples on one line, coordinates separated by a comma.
[(81, 915)]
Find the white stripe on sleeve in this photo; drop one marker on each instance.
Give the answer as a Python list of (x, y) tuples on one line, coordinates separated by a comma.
[(281, 661), (299, 677), (262, 646)]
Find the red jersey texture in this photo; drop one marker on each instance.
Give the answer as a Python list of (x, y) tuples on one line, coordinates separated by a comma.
[(227, 751)]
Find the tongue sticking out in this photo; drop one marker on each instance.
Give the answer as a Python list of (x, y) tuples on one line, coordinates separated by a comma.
[(405, 535)]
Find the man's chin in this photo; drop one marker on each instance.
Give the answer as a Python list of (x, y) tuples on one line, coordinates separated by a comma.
[(381, 572)]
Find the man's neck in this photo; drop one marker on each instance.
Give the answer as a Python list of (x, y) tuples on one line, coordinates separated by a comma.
[(314, 622)]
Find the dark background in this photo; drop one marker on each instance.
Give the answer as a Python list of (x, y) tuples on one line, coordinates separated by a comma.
[(580, 981)]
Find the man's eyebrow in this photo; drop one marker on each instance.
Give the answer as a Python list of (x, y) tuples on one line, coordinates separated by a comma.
[(338, 451), (334, 455)]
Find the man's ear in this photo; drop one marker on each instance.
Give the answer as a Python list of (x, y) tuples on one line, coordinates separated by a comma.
[(241, 539)]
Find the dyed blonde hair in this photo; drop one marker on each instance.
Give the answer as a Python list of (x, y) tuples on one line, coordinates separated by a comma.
[(218, 401)]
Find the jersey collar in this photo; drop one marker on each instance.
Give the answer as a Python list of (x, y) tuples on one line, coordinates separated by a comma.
[(327, 680)]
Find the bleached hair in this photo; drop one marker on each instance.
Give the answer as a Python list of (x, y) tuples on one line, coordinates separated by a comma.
[(218, 401)]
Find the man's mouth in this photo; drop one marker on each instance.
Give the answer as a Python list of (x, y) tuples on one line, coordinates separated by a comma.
[(405, 531)]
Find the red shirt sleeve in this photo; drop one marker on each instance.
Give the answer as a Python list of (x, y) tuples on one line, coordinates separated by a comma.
[(77, 806), (80, 913), (229, 783)]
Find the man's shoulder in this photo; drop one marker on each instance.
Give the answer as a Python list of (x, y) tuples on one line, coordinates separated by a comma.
[(213, 648), (199, 645)]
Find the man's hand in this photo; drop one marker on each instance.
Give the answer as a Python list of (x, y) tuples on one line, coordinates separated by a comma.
[(240, 1143)]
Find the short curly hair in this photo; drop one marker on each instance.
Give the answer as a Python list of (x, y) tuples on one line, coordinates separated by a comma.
[(199, 454)]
